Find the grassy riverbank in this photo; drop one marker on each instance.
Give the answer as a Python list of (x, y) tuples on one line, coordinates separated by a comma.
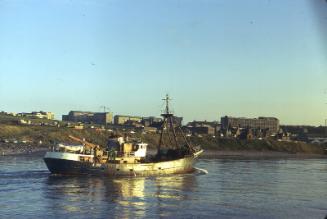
[(23, 139), (231, 144)]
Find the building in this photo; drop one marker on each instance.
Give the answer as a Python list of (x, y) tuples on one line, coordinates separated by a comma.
[(122, 119), (246, 134), (78, 116), (88, 117), (102, 118), (203, 127), (151, 121), (38, 115), (264, 123), (177, 121), (202, 130)]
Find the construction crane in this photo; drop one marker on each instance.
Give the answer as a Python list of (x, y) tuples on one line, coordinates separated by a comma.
[(105, 108)]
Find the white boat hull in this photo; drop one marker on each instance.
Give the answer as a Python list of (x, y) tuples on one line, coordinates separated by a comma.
[(71, 164)]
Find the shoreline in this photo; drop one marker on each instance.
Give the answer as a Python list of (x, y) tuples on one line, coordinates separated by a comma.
[(216, 154), (17, 150), (207, 154)]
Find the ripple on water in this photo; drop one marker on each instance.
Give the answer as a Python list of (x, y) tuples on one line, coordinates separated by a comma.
[(223, 188)]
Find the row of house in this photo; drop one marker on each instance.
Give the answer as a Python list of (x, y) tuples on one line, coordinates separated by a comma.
[(236, 127), (101, 118), (228, 126), (203, 127), (270, 124), (39, 115), (107, 118), (33, 115)]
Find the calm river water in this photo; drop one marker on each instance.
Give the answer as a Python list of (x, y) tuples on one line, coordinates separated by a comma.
[(225, 188)]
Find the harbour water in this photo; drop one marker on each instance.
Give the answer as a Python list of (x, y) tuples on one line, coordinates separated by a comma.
[(220, 188)]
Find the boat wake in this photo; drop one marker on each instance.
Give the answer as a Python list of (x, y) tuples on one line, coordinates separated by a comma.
[(201, 171)]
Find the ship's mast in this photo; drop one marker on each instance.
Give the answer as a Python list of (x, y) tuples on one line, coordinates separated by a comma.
[(168, 125), (166, 113)]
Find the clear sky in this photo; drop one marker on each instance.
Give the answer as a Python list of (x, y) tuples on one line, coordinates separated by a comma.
[(214, 57)]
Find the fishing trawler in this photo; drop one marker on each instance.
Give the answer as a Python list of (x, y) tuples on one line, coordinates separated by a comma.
[(126, 157)]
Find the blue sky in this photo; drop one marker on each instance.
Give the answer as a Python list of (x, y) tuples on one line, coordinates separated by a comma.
[(214, 57)]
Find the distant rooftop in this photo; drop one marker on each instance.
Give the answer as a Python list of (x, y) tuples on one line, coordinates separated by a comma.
[(260, 117)]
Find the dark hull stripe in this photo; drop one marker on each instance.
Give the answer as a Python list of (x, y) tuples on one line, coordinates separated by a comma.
[(61, 166)]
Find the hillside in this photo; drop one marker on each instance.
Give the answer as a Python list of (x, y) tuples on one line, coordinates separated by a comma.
[(44, 136), (231, 144), (49, 135)]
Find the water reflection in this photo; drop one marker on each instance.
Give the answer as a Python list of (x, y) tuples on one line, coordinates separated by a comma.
[(174, 187), (171, 191), (130, 197), (232, 189), (124, 198)]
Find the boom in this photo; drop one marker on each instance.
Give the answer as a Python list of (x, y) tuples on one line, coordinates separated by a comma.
[(87, 144)]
